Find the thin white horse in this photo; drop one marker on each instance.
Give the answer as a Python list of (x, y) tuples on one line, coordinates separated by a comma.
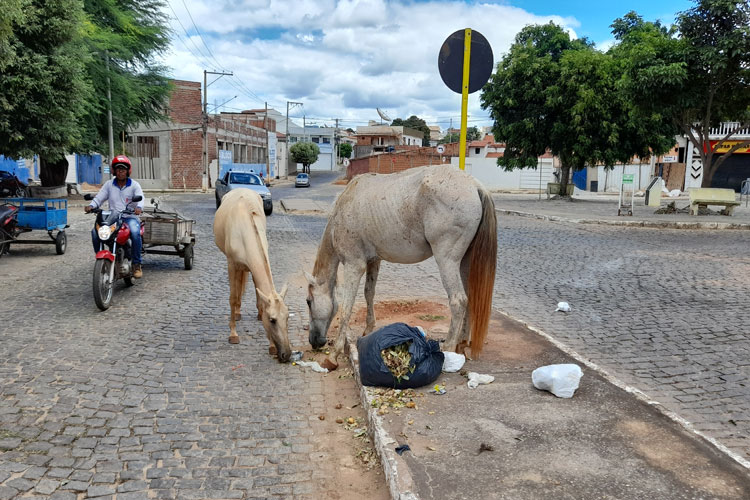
[(240, 233), (406, 218)]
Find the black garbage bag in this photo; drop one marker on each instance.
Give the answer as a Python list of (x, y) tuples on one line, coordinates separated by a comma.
[(426, 357)]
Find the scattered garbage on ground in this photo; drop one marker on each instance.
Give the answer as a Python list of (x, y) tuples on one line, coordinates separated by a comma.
[(401, 449), (387, 400), (477, 379), (561, 380), (399, 356), (453, 361), (312, 364), (296, 356), (563, 306), (438, 389)]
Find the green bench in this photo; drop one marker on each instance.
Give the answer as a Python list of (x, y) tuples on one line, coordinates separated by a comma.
[(703, 197)]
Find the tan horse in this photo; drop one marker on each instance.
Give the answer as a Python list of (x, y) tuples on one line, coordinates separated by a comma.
[(240, 233), (406, 218)]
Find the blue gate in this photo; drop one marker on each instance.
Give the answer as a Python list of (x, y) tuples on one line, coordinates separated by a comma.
[(89, 169), (579, 179), (16, 167)]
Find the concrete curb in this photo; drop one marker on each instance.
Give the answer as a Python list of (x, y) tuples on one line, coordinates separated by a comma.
[(397, 475), (630, 223)]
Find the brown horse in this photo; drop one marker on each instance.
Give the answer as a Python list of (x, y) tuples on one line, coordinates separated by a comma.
[(240, 233), (406, 218)]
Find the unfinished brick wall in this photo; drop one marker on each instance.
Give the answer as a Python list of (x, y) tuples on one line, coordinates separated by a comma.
[(404, 158), (185, 102), (186, 159)]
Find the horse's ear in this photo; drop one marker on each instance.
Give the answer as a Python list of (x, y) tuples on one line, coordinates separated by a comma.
[(282, 293), (310, 278), (262, 297)]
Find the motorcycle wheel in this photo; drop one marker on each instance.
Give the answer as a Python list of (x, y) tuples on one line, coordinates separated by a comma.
[(103, 288)]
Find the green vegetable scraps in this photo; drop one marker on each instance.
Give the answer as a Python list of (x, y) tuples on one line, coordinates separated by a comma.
[(398, 360)]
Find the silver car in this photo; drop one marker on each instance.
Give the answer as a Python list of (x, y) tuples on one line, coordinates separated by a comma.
[(249, 180), (302, 180)]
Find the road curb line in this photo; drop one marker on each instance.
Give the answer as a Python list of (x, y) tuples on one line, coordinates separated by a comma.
[(640, 395), (629, 223)]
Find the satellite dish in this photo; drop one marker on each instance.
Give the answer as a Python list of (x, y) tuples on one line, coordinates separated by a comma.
[(383, 115)]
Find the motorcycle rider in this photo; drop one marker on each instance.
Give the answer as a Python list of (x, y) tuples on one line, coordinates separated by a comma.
[(119, 193)]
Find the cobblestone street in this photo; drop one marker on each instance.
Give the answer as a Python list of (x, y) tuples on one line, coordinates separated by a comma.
[(148, 400)]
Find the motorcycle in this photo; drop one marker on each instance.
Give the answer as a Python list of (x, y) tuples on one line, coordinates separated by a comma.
[(114, 259), (11, 186)]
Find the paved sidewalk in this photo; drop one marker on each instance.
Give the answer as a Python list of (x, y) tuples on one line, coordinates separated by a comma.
[(601, 208)]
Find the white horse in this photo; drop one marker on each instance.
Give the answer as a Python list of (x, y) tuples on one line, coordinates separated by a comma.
[(406, 218), (240, 233)]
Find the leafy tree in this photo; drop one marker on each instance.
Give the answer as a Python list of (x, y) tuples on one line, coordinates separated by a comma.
[(696, 75), (551, 93), (124, 38), (11, 13), (345, 150), (416, 123), (305, 153), (472, 134), (43, 86)]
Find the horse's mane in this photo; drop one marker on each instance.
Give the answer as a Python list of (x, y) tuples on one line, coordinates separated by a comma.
[(325, 252)]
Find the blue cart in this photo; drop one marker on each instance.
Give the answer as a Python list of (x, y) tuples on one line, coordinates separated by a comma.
[(37, 213)]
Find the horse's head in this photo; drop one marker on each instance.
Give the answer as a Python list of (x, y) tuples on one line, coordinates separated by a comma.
[(275, 317), (321, 302)]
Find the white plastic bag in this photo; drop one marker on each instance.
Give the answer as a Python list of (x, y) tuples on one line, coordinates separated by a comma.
[(314, 365), (453, 361), (563, 306), (478, 378), (561, 380)]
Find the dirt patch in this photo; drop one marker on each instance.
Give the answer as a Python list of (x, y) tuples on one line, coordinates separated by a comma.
[(344, 452), (341, 182)]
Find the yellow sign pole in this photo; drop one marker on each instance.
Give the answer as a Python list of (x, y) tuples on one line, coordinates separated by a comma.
[(465, 98)]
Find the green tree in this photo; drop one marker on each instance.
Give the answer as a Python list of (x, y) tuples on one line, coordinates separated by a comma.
[(696, 75), (551, 93), (125, 37), (43, 86), (345, 150), (472, 134), (416, 123), (305, 153), (11, 13)]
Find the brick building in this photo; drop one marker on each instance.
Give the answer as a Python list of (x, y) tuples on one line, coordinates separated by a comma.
[(169, 154)]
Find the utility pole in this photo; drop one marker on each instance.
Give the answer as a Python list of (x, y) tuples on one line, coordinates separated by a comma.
[(206, 178), (287, 131), (109, 114), (268, 152), (336, 141)]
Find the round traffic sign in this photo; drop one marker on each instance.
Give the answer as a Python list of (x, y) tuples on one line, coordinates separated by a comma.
[(346, 162), (441, 149), (451, 61)]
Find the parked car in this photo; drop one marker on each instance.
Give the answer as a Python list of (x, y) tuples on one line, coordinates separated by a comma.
[(302, 180), (11, 186), (236, 179)]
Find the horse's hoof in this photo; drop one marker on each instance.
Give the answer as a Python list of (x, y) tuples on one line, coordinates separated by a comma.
[(238, 317), (328, 364), (234, 339), (272, 350)]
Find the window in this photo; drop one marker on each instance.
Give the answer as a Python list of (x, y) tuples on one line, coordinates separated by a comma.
[(244, 178), (316, 140), (476, 150), (326, 140)]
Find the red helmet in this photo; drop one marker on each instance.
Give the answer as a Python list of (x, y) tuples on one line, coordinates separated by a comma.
[(121, 160)]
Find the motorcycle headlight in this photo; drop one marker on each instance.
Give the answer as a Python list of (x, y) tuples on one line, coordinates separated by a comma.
[(105, 232)]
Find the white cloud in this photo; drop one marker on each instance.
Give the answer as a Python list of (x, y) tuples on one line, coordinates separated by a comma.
[(340, 58)]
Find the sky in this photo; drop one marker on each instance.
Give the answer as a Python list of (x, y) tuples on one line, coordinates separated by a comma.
[(346, 58)]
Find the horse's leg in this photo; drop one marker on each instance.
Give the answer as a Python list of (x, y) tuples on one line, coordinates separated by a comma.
[(235, 297), (259, 305), (353, 272), (243, 285), (450, 273), (373, 267)]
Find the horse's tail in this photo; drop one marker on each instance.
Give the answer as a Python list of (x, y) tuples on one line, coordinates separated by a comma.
[(482, 254)]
